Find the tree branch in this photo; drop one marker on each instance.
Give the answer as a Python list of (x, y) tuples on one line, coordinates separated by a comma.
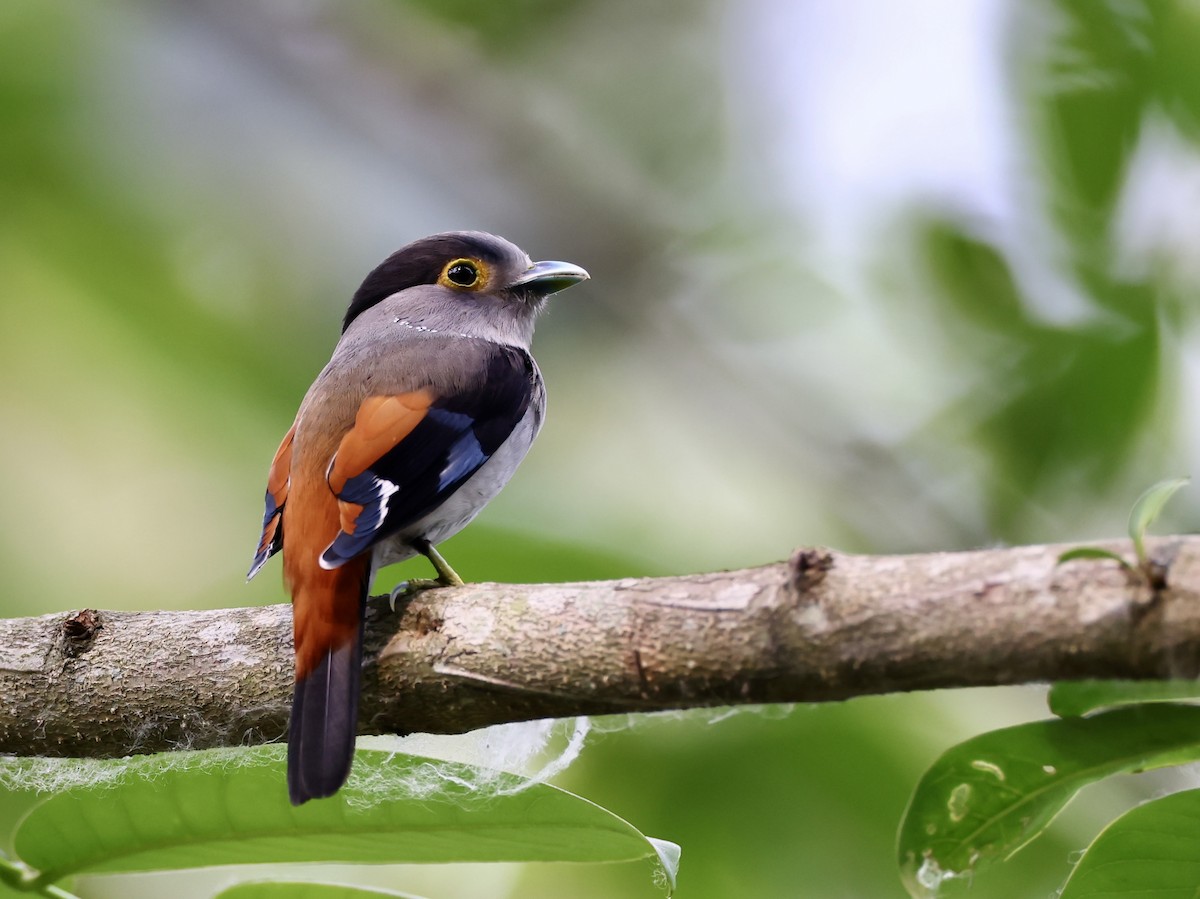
[(823, 626)]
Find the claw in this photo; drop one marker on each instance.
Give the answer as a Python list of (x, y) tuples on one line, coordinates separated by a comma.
[(447, 576), (405, 589)]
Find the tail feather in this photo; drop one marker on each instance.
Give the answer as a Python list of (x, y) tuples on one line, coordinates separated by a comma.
[(324, 723)]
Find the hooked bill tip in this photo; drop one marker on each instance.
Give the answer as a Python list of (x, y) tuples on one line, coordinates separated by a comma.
[(551, 277)]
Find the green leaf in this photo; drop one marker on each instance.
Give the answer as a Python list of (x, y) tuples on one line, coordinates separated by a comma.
[(1092, 552), (279, 889), (1070, 699), (228, 807), (986, 798), (1147, 508), (1092, 97), (1152, 850)]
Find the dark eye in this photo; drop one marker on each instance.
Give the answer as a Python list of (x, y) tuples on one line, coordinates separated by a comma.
[(462, 273)]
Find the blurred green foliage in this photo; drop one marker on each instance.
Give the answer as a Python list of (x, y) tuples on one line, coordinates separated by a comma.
[(190, 192)]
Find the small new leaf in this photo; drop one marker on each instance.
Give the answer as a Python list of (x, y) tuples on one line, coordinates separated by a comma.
[(1093, 552), (1147, 508)]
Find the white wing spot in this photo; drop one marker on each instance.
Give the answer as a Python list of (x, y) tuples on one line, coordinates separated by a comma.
[(386, 489)]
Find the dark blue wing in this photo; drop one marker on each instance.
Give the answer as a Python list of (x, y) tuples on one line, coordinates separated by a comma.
[(450, 439)]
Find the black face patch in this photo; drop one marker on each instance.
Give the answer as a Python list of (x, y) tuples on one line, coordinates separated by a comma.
[(422, 262)]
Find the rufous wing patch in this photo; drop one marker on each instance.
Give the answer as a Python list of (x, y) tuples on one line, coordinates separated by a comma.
[(280, 474), (348, 514), (381, 423)]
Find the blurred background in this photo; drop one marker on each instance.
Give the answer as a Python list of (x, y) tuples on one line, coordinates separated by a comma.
[(884, 277)]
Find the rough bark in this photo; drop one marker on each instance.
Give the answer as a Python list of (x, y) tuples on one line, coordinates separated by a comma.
[(823, 626)]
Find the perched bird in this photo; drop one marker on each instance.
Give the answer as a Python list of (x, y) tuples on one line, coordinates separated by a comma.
[(429, 403)]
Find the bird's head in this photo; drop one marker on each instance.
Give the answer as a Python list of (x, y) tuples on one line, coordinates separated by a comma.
[(464, 281)]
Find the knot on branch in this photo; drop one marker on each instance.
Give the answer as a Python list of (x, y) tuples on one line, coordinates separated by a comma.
[(79, 631), (807, 568), (1157, 566)]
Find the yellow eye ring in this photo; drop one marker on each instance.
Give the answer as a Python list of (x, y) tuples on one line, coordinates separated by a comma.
[(464, 274)]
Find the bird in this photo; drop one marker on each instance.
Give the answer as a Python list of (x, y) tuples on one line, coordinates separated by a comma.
[(429, 402)]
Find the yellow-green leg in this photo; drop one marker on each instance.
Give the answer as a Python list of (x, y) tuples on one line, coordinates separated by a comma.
[(447, 576)]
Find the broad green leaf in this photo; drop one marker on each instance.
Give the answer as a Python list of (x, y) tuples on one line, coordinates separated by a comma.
[(986, 798), (1070, 699), (1147, 508), (1153, 850), (279, 889), (228, 807), (1092, 552)]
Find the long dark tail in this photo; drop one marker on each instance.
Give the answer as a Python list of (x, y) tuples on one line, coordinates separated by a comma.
[(325, 721)]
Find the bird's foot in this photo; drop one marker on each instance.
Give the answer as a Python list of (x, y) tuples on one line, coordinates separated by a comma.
[(406, 589), (409, 588), (447, 576)]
